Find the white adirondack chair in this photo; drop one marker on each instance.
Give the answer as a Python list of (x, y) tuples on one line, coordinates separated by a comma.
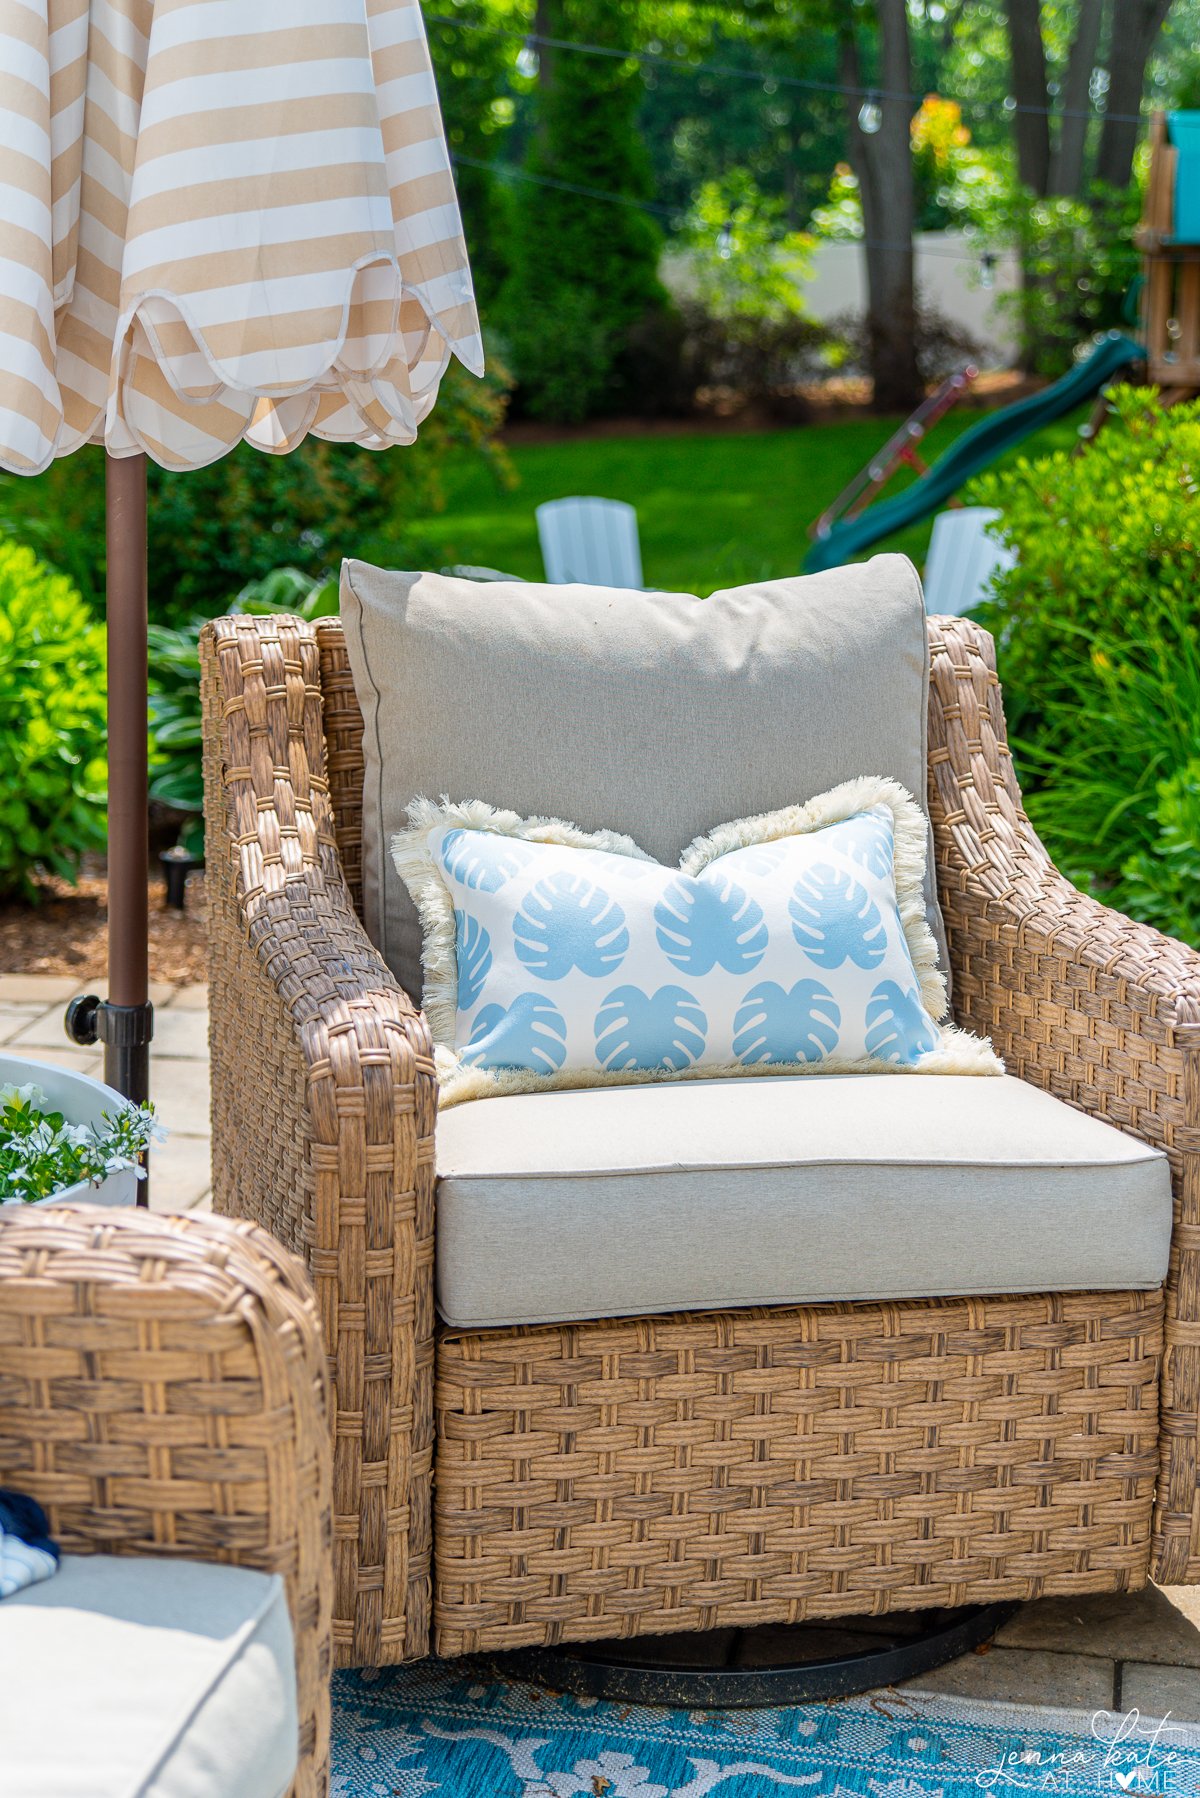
[(590, 540), (962, 559)]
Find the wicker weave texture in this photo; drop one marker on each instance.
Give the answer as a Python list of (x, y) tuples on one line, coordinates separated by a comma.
[(163, 1392), (699, 1472), (324, 1099), (1103, 1012)]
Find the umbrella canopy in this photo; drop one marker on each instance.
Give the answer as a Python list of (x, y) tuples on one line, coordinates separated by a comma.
[(219, 221), (222, 221)]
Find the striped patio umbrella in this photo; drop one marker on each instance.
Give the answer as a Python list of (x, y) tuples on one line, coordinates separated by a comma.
[(220, 220)]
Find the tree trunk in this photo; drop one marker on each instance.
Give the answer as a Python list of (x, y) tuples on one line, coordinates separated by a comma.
[(1031, 122), (1135, 28), (883, 163), (1067, 162)]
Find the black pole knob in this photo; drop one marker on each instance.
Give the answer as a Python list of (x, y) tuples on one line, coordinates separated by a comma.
[(81, 1021)]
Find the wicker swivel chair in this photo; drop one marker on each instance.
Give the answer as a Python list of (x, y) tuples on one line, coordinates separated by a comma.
[(570, 1481)]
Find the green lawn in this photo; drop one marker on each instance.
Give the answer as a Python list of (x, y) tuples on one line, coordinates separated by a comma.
[(714, 509)]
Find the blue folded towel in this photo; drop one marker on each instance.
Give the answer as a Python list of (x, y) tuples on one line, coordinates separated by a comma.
[(26, 1551)]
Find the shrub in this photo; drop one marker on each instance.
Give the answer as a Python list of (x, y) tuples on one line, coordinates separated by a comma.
[(943, 347), (1096, 629), (1078, 263), (52, 723), (760, 359)]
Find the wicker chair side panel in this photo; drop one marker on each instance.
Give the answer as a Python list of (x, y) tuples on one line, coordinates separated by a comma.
[(343, 752), (163, 1392), (1084, 1002), (728, 1469), (324, 1108)]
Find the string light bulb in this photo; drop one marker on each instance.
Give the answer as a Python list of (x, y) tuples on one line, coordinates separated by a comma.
[(725, 240), (987, 269), (870, 115)]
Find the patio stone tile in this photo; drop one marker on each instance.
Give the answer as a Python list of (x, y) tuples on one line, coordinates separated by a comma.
[(1161, 1691), (44, 1030), (180, 1173), (179, 1089), (36, 989), (180, 1034), (15, 1018), (191, 998), (1157, 1624), (1024, 1676)]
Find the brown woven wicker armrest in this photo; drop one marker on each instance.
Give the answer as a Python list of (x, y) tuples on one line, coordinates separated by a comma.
[(1080, 1000), (163, 1392), (324, 1103)]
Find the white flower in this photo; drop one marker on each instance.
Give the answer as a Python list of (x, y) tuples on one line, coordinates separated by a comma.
[(30, 1095)]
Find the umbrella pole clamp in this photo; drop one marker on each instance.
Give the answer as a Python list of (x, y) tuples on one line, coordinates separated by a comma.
[(126, 1032)]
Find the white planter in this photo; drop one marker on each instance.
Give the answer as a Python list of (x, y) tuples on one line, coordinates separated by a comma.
[(81, 1100)]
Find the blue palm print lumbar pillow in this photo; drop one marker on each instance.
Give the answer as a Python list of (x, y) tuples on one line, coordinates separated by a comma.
[(794, 942)]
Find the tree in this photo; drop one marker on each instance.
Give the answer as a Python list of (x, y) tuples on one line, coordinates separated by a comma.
[(882, 161), (1134, 33), (584, 269), (1044, 166), (474, 46), (1066, 171), (1031, 121)]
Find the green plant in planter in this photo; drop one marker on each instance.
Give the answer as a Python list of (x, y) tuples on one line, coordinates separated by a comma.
[(41, 1154), (1096, 629), (52, 723)]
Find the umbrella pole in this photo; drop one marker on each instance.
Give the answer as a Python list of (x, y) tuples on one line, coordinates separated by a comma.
[(126, 1022)]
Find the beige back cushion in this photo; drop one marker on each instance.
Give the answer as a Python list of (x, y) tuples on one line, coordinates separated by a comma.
[(656, 714)]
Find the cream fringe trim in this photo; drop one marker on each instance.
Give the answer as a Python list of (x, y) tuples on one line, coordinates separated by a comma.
[(958, 1051)]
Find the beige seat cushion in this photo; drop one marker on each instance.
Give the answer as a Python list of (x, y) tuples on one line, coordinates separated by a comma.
[(132, 1678), (620, 1200), (658, 715)]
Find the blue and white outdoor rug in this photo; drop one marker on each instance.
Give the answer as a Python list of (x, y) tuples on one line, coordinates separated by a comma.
[(453, 1730)]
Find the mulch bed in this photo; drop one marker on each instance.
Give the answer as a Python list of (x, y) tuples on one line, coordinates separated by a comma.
[(66, 932), (830, 402)]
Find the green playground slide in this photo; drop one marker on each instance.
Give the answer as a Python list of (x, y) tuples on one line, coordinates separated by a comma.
[(972, 452)]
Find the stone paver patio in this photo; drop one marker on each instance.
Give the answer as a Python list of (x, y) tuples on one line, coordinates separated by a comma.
[(1114, 1653)]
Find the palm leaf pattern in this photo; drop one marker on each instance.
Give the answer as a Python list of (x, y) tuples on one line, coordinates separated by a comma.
[(530, 1033), (482, 859), (777, 1026), (473, 947), (835, 919), (710, 920), (568, 922), (759, 858), (899, 1028), (869, 840), (665, 1029)]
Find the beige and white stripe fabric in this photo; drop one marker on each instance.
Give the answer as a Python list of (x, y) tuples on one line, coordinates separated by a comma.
[(222, 219)]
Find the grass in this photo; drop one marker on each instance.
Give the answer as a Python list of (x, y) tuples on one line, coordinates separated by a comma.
[(714, 509)]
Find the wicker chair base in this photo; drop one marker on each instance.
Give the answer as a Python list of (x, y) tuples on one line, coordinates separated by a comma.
[(729, 1469)]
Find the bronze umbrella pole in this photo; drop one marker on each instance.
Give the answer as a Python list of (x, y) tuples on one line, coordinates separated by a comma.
[(124, 1021)]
